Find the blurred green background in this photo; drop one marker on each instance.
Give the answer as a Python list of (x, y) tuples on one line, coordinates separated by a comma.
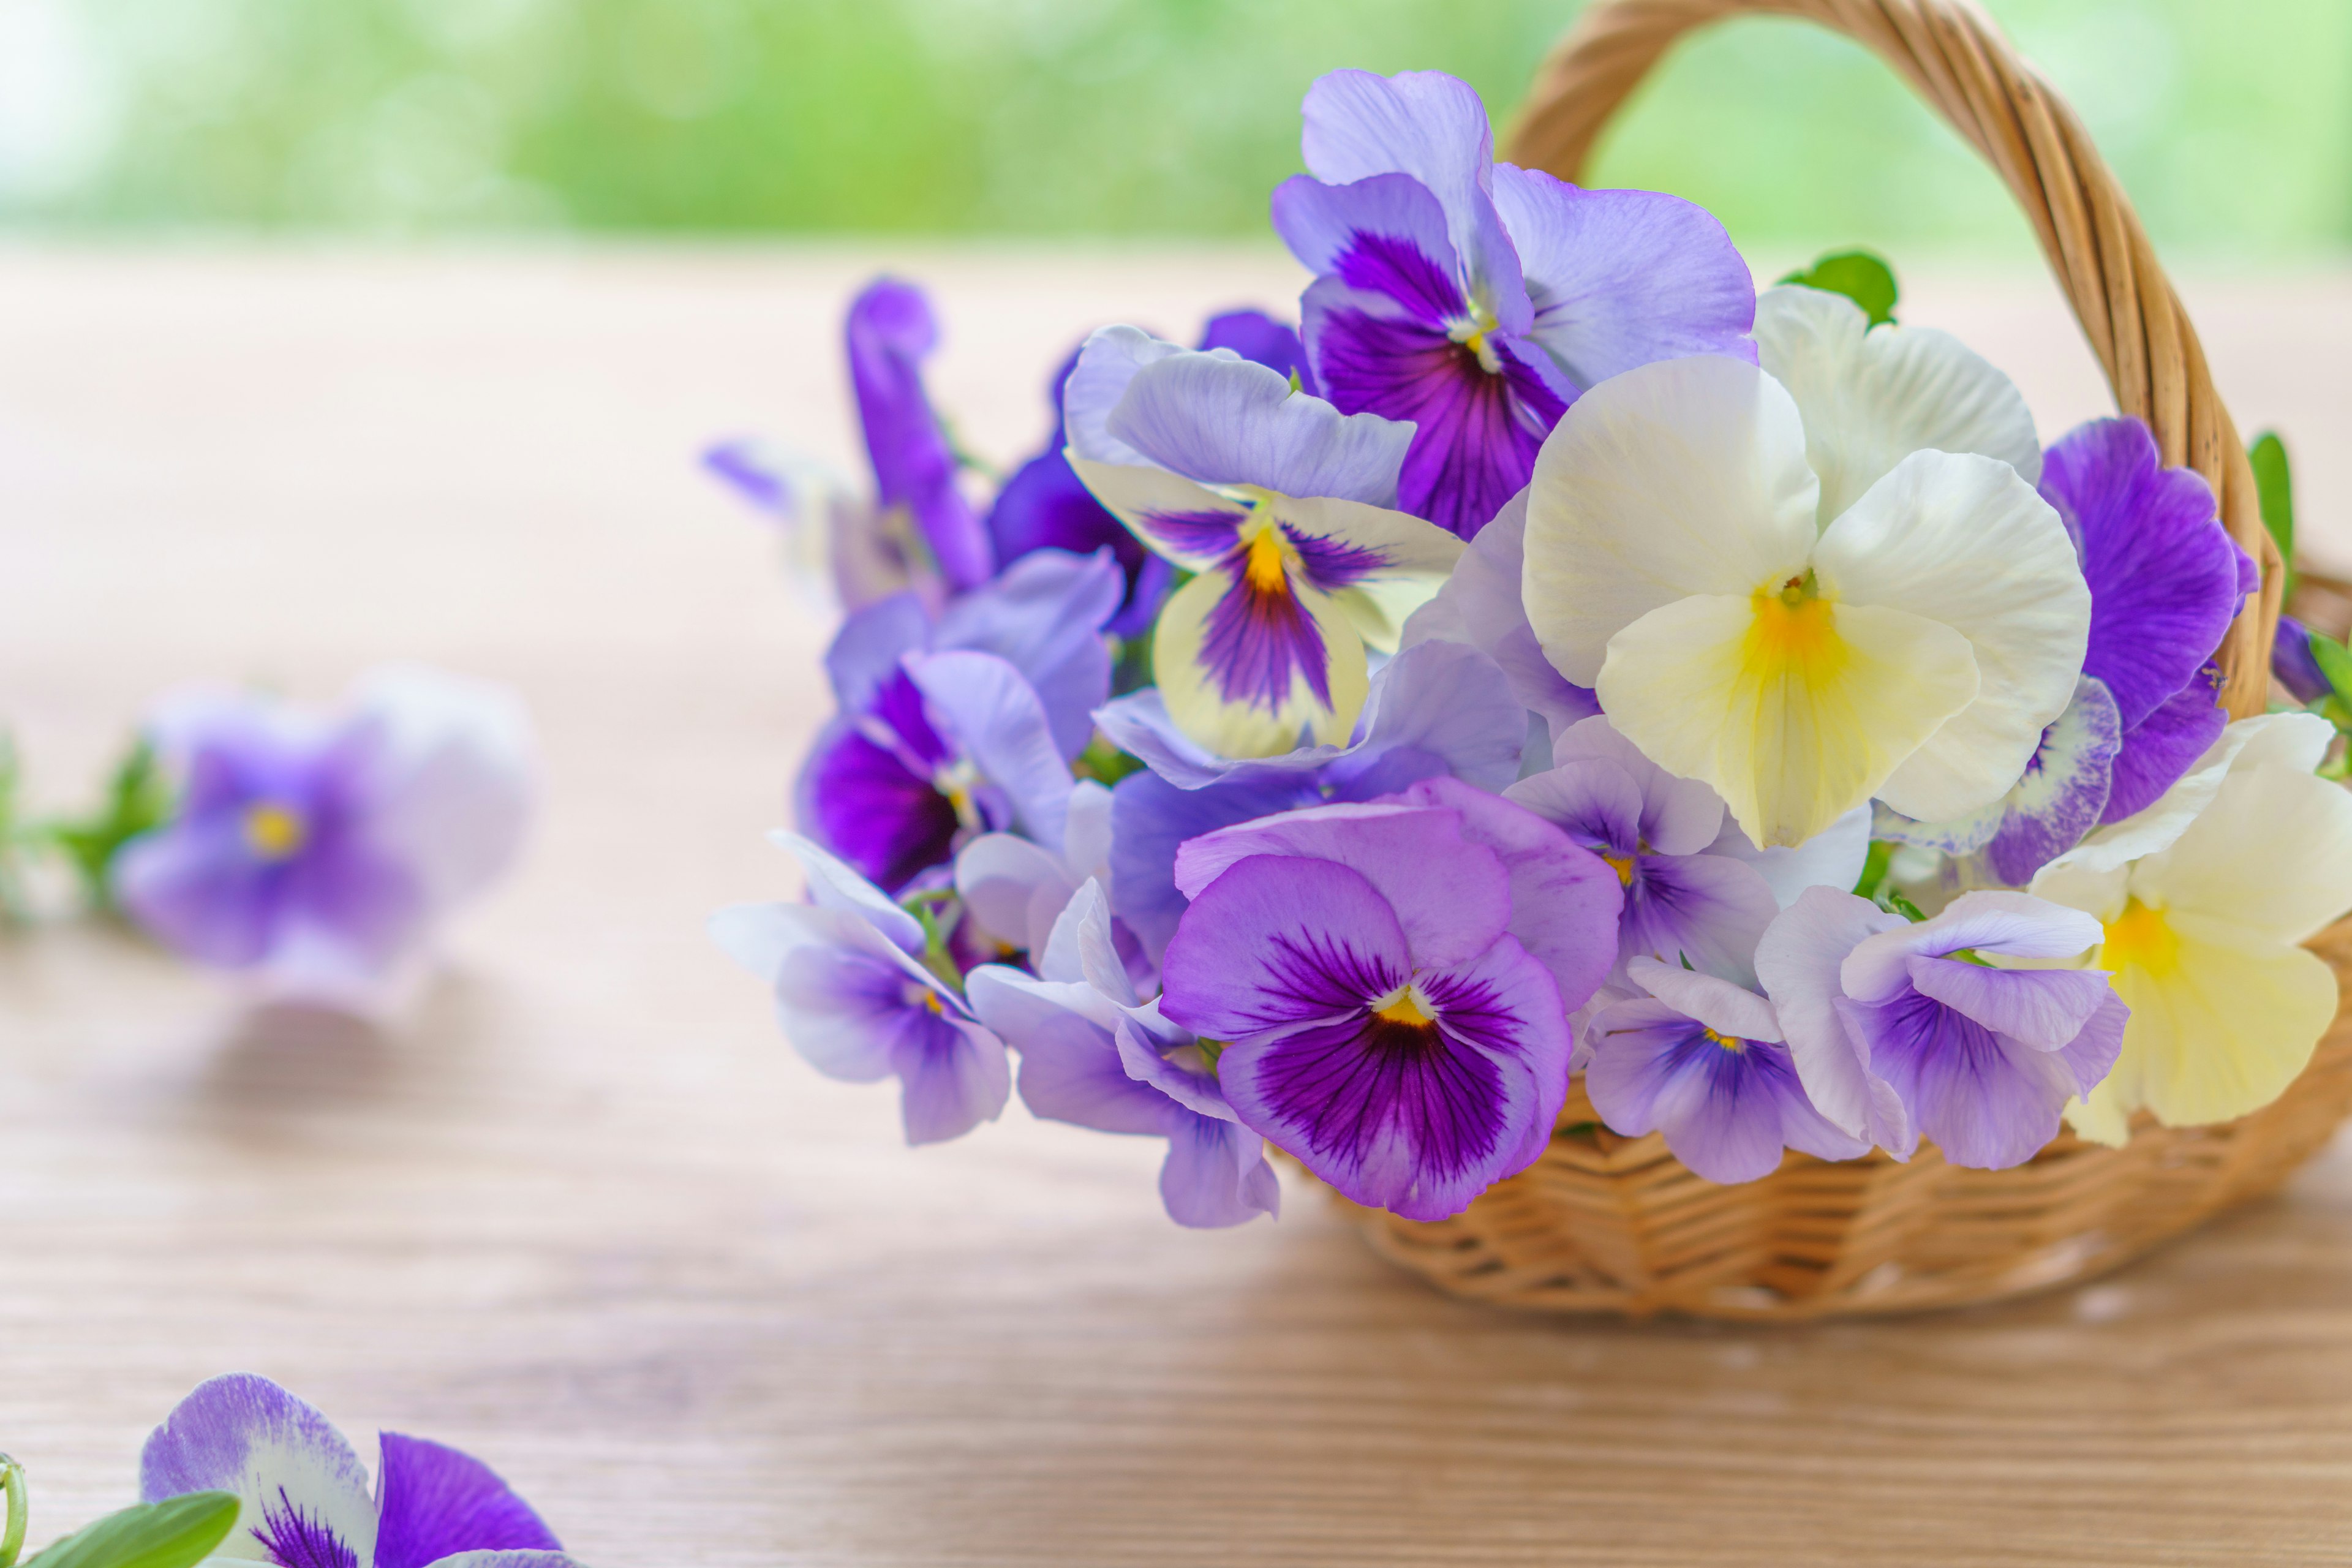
[(2230, 119)]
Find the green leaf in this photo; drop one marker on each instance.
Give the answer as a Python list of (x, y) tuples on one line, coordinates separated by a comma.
[(2275, 484), (2335, 661), (12, 1498), (178, 1532), (137, 800), (1858, 275), (1875, 867)]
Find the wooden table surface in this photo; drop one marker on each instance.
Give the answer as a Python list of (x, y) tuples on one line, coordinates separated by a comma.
[(586, 1216)]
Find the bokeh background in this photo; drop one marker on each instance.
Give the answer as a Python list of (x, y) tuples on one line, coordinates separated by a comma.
[(2230, 119)]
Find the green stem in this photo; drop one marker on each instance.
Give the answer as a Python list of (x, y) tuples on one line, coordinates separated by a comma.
[(12, 1497)]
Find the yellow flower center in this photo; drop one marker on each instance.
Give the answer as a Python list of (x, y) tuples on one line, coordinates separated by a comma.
[(1794, 636), (1405, 1006), (1262, 568), (1729, 1042), (273, 832), (2141, 938), (1472, 335), (1621, 864)]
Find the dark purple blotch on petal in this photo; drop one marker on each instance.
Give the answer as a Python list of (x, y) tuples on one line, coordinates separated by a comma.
[(295, 1538), (1260, 640)]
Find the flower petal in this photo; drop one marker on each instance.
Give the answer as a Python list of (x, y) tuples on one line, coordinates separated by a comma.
[(1679, 816), (1254, 671), (451, 764), (1705, 910), (1219, 420), (1871, 397), (1480, 605), (1723, 1005), (889, 333), (834, 886), (2065, 788), (1278, 942), (2272, 853), (1166, 1057), (2168, 742), (1151, 816), (2043, 1008), (298, 1480), (1833, 858), (1383, 235), (1216, 1175), (1186, 522), (1798, 961), (1070, 1066), (438, 1502), (1002, 727), (1683, 477), (1044, 616), (1795, 718), (1003, 879), (1988, 1102), (1106, 365)]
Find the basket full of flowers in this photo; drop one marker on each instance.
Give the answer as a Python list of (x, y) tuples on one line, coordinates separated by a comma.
[(1660, 796)]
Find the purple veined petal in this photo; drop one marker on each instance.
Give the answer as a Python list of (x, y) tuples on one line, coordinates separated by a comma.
[(1450, 893), (1183, 521), (1593, 801), (302, 1488), (1479, 412), (438, 1502), (1721, 1004), (2165, 745), (450, 782), (833, 885), (862, 799), (1833, 858), (1216, 1175), (1003, 730), (1986, 1102), (2043, 1009), (1341, 544), (1166, 1057), (1482, 598), (1384, 234), (2014, 925), (1726, 1111), (1044, 616), (1259, 643), (890, 332), (2091, 1055), (1706, 910), (2065, 788), (1620, 278), (2292, 664), (1150, 817), (2163, 574), (955, 1075), (1565, 902), (1070, 1066), (1220, 421), (865, 654), (1506, 1003), (1679, 816), (1798, 963), (1260, 339), (1433, 127), (1107, 364), (1280, 940)]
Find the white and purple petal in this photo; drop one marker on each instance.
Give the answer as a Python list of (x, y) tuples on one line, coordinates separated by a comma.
[(304, 1495)]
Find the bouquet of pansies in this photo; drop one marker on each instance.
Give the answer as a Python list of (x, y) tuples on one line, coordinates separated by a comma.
[(1555, 659)]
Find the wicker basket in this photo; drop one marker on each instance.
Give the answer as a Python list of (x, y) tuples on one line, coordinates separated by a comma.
[(1604, 1224)]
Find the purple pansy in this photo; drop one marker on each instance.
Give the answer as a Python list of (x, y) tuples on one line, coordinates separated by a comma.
[(1093, 1055), (2166, 580), (2294, 666), (305, 1494), (890, 332), (859, 997), (1703, 1062), (1435, 708), (1478, 299), (1682, 904), (315, 851), (1903, 1030), (1392, 983)]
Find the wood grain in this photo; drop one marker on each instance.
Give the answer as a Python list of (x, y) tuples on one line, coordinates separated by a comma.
[(584, 1214)]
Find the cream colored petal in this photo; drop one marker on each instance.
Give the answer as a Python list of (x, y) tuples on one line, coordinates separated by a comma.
[(2096, 891), (2293, 740), (1195, 698), (2100, 1118), (1378, 609), (1964, 541), (1138, 497), (1790, 750), (2272, 853), (1406, 545), (1872, 397), (2219, 1027), (1684, 477)]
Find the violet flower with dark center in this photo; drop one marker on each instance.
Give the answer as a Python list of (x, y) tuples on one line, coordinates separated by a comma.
[(1478, 299), (1903, 1030), (1703, 1062), (306, 1499), (1392, 984)]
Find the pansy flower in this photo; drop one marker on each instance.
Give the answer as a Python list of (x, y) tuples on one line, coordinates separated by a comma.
[(861, 996), (2200, 905), (1901, 1030), (1477, 300), (1685, 558), (315, 852), (1703, 1062), (1093, 1054), (1392, 983), (921, 515), (305, 1496), (2165, 581), (1281, 505)]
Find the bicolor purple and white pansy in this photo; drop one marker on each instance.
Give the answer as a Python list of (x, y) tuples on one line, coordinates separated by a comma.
[(1902, 1030), (1477, 300), (1094, 1055), (1390, 985), (1702, 1062), (305, 1495), (1283, 506), (864, 994), (315, 852), (2166, 580)]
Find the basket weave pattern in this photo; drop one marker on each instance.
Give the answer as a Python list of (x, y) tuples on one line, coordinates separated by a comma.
[(1611, 1225)]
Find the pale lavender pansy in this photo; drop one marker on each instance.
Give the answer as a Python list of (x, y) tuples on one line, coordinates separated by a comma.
[(315, 852), (1478, 299), (2166, 580), (1392, 983), (305, 1498), (1703, 1062), (1902, 1030), (1435, 708), (1094, 1055), (862, 998), (1683, 904), (1281, 506)]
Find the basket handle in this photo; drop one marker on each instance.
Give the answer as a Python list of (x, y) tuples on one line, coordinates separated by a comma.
[(1956, 58)]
